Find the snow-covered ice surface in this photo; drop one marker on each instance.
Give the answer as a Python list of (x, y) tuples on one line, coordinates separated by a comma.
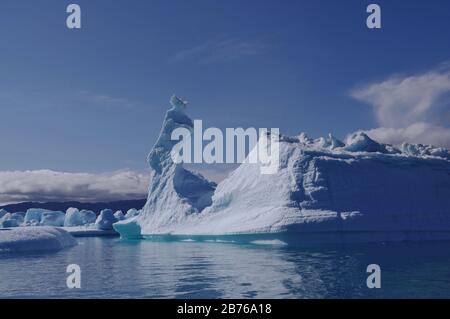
[(325, 186), (372, 188), (30, 239), (33, 216)]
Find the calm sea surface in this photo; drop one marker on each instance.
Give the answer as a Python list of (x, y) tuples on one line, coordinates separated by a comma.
[(112, 268)]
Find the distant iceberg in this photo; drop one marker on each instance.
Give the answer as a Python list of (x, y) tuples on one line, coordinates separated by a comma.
[(43, 217), (105, 220), (322, 186), (119, 215)]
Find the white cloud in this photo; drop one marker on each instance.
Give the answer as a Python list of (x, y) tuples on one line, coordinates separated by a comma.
[(220, 50), (420, 132), (411, 109), (47, 185)]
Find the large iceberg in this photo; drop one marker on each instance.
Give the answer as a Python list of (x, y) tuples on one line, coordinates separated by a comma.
[(362, 186), (322, 186)]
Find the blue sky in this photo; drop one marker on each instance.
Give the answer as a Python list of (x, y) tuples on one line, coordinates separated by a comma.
[(92, 100)]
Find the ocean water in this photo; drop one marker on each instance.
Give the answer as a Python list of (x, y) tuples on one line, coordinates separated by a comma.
[(113, 268)]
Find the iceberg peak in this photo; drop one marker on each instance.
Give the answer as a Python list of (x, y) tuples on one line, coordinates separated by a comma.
[(177, 103)]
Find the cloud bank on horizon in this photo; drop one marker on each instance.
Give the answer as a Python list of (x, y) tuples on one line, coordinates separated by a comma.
[(413, 109), (48, 185)]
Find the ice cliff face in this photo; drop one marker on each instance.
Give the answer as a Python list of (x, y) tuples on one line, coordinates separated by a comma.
[(322, 185)]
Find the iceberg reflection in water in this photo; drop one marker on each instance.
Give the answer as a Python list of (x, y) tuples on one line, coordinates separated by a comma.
[(112, 268)]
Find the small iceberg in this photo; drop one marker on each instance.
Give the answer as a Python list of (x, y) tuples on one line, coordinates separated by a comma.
[(32, 239), (105, 220)]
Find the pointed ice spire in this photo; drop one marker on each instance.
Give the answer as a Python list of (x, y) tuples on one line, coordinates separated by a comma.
[(177, 103), (175, 118), (175, 193)]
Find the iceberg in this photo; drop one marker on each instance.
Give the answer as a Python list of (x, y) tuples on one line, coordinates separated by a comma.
[(3, 212), (19, 216), (52, 218), (9, 220), (33, 216), (41, 217), (87, 217), (119, 215), (9, 223), (105, 220), (85, 223), (325, 186), (363, 186), (30, 239), (73, 218)]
